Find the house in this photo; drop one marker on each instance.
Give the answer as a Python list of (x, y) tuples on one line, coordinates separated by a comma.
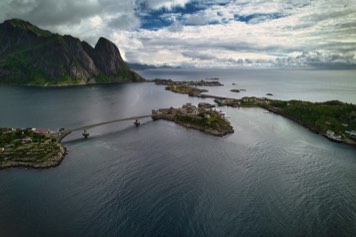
[(41, 131), (219, 101), (352, 133), (333, 136), (26, 140), (330, 133)]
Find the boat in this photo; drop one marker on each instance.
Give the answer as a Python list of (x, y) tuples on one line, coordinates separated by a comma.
[(332, 136)]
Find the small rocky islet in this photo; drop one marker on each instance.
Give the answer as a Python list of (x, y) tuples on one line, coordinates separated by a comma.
[(205, 82), (187, 87)]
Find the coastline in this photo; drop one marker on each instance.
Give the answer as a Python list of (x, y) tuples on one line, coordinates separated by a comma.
[(209, 131), (31, 148), (201, 118), (54, 161), (310, 128), (264, 103), (71, 85), (236, 103)]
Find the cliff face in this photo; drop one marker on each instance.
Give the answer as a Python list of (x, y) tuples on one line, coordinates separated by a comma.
[(32, 56)]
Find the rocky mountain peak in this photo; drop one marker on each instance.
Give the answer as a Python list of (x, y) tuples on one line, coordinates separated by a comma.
[(108, 57), (32, 56), (21, 25)]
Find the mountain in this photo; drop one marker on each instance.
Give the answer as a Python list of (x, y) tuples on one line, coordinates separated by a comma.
[(32, 56)]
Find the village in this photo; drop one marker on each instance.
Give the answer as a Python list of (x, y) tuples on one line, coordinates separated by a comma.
[(201, 117), (30, 147)]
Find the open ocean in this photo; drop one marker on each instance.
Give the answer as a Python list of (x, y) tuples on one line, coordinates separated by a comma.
[(271, 177)]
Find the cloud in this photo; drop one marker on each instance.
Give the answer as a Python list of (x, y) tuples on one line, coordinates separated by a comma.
[(204, 17), (124, 21), (284, 33), (52, 12), (168, 4)]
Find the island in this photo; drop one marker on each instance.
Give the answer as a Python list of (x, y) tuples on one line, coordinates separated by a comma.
[(186, 87), (201, 118), (32, 148), (166, 82)]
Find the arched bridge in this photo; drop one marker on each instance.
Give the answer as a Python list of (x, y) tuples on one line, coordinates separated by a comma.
[(61, 134), (107, 122)]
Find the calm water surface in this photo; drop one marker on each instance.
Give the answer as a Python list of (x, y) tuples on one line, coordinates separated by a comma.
[(270, 178)]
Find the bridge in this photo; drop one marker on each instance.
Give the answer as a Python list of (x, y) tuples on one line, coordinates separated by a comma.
[(61, 134), (86, 127)]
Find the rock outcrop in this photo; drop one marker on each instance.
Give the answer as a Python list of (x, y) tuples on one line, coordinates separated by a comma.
[(32, 56)]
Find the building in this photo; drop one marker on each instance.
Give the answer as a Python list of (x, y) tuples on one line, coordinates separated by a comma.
[(26, 140), (352, 133), (41, 131)]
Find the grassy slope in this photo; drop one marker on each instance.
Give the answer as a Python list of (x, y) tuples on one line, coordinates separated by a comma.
[(331, 115)]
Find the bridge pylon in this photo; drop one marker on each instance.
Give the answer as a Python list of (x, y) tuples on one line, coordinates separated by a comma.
[(85, 134)]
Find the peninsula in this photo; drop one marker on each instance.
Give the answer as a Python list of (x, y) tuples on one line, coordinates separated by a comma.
[(201, 118), (33, 148), (335, 120)]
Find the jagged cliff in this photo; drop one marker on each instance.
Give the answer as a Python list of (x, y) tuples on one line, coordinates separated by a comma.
[(32, 56)]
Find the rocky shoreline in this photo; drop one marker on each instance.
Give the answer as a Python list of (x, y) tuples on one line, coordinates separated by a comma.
[(54, 161), (200, 118), (31, 148), (312, 129)]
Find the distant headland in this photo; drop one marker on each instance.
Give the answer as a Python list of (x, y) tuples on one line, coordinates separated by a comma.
[(34, 57)]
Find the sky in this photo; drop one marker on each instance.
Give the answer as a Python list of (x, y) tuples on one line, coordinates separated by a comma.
[(206, 33)]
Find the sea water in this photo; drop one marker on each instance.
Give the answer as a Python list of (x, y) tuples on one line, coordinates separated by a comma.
[(271, 177)]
